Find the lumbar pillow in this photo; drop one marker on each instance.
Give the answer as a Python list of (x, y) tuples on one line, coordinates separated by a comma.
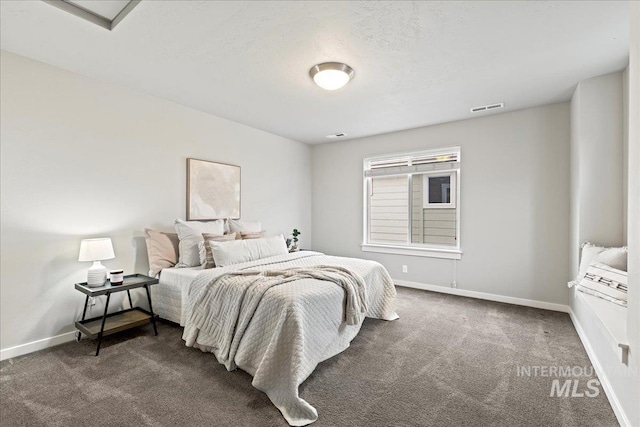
[(237, 251), (162, 249), (206, 257), (605, 282), (238, 226), (190, 234)]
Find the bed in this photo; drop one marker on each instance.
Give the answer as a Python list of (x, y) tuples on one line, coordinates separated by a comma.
[(294, 326), (170, 294)]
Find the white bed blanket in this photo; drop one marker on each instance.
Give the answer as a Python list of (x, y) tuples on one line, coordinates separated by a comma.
[(295, 325)]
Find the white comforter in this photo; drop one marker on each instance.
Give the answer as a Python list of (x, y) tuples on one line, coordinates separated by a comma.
[(295, 326)]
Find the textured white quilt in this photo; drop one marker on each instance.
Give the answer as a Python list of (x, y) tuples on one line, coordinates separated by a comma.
[(295, 325)]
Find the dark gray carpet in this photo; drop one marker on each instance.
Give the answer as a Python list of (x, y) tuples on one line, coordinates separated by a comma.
[(448, 361)]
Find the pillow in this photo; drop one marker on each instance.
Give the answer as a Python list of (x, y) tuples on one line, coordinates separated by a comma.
[(237, 226), (613, 257), (206, 257), (589, 252), (258, 235), (237, 251), (162, 249), (190, 235), (605, 282)]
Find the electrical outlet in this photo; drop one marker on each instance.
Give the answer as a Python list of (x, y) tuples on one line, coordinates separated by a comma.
[(404, 268), (454, 284), (92, 301)]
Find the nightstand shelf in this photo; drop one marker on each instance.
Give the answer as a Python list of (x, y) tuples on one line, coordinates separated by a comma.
[(115, 322), (110, 323)]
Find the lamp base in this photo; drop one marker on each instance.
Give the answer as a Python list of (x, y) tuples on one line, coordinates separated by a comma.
[(97, 275)]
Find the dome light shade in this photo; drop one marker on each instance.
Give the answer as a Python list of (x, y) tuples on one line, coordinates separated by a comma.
[(331, 75)]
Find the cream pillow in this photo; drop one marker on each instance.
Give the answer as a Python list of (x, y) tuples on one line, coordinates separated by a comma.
[(589, 252), (613, 257), (238, 251), (190, 234), (162, 249), (206, 257), (238, 226)]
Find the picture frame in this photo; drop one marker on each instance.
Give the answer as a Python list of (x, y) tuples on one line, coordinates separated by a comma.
[(213, 190)]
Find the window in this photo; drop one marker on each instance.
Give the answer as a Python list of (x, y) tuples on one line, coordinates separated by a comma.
[(412, 203), (439, 191)]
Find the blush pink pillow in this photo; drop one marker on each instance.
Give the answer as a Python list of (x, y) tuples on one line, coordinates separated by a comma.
[(162, 250)]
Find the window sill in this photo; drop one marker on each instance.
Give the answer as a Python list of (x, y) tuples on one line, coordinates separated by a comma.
[(412, 251)]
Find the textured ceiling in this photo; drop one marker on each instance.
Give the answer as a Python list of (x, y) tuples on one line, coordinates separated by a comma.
[(416, 63)]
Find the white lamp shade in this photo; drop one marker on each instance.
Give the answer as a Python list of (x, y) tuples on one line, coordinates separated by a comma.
[(96, 250)]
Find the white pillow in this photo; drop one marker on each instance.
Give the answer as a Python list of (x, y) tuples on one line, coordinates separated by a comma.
[(190, 235), (589, 252), (237, 251), (613, 257), (238, 226), (605, 282)]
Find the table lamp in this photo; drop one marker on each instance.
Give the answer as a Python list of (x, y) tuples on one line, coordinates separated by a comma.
[(96, 250)]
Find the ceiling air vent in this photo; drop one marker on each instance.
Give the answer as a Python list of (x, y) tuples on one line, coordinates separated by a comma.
[(337, 135), (487, 107)]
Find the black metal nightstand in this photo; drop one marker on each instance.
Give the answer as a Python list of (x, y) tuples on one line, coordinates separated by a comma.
[(108, 324)]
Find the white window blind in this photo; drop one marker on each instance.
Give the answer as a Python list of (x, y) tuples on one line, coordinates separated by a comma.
[(407, 164)]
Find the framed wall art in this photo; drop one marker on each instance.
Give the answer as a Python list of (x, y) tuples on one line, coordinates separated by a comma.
[(213, 190)]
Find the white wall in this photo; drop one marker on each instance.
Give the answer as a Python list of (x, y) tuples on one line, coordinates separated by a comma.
[(604, 210), (625, 153), (514, 202), (597, 173), (633, 213), (81, 158)]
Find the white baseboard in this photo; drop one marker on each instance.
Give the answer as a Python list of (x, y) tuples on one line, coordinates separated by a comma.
[(485, 296), (604, 381), (30, 347)]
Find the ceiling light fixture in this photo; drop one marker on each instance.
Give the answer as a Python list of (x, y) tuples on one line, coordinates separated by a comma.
[(331, 75)]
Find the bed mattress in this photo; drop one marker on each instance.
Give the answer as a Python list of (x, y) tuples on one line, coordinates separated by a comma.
[(170, 294)]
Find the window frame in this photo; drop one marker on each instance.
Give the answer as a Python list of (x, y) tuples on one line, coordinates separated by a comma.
[(453, 183), (409, 248)]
